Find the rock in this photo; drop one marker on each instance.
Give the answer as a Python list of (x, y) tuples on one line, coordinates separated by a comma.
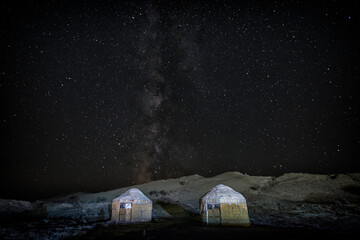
[(14, 207)]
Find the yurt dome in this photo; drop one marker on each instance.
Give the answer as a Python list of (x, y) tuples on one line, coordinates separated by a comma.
[(223, 194), (133, 195)]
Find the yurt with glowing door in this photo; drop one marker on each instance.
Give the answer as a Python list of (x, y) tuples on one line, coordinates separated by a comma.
[(223, 205), (131, 207)]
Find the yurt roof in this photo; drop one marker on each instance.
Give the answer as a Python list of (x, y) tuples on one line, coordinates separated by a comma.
[(133, 195), (223, 194)]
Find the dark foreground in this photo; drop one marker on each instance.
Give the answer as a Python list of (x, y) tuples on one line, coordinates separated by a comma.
[(220, 233), (182, 225), (167, 229)]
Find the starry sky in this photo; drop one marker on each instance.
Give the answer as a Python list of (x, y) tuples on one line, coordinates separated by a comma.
[(97, 95)]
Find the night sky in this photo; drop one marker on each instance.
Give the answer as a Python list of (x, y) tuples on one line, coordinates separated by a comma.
[(100, 95)]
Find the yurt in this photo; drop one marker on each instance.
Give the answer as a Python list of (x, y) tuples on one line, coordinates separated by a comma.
[(223, 205), (131, 206)]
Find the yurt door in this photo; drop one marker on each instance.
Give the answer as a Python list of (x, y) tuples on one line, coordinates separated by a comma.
[(125, 212), (214, 215), (128, 211)]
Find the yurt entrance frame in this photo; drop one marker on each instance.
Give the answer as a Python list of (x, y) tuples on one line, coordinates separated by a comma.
[(125, 212), (213, 213)]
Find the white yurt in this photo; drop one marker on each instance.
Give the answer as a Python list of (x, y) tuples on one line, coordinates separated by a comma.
[(131, 206), (223, 205)]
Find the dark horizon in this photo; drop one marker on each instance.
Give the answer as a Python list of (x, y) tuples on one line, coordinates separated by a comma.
[(102, 95)]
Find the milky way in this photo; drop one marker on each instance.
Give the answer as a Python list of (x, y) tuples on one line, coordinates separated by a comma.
[(154, 155)]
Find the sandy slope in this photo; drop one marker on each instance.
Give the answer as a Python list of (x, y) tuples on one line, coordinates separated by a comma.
[(294, 199)]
